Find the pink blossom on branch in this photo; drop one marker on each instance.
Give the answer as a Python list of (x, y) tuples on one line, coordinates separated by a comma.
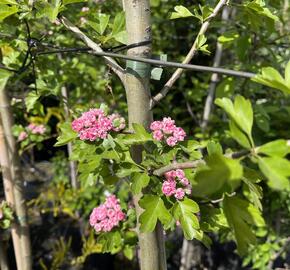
[(167, 130), (36, 129), (22, 136), (168, 188), (95, 124), (179, 194), (176, 184), (107, 216)]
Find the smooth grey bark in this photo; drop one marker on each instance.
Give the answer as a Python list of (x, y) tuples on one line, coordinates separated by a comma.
[(20, 207), (152, 250)]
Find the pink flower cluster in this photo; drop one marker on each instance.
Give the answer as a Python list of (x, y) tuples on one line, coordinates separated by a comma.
[(36, 129), (176, 184), (95, 124), (22, 136), (107, 215), (31, 128), (167, 130)]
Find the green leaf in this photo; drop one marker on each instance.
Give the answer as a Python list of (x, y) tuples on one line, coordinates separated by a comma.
[(238, 135), (180, 12), (262, 118), (139, 181), (276, 170), (102, 22), (184, 211), (127, 169), (225, 88), (244, 114), (240, 214), (154, 211), (214, 148), (121, 37), (6, 11), (154, 3), (278, 148), (109, 142), (129, 252), (9, 2), (212, 219), (240, 112), (139, 137), (272, 78), (259, 8), (52, 9), (66, 2), (287, 74), (255, 192), (217, 172), (111, 242), (228, 37), (31, 100), (202, 237), (202, 46), (67, 134), (118, 24)]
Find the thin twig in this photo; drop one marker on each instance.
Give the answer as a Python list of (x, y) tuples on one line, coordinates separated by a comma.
[(94, 46), (189, 56)]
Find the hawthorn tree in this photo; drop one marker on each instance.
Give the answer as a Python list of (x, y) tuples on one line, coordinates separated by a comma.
[(200, 179)]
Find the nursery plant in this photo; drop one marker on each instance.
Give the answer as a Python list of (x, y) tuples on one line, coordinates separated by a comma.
[(122, 89)]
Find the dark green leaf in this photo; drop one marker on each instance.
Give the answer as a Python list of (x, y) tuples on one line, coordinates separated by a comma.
[(127, 169), (217, 172)]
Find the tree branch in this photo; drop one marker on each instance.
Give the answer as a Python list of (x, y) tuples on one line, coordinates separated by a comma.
[(175, 166), (94, 46), (189, 56), (214, 77), (279, 253), (199, 162)]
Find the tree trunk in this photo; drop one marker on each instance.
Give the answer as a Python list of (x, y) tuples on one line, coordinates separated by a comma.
[(20, 207), (9, 196), (152, 250), (72, 164), (190, 255)]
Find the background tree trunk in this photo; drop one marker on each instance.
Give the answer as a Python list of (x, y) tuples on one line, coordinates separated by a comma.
[(8, 185), (152, 250), (20, 207)]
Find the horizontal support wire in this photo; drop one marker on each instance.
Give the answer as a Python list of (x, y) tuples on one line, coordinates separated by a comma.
[(155, 62)]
